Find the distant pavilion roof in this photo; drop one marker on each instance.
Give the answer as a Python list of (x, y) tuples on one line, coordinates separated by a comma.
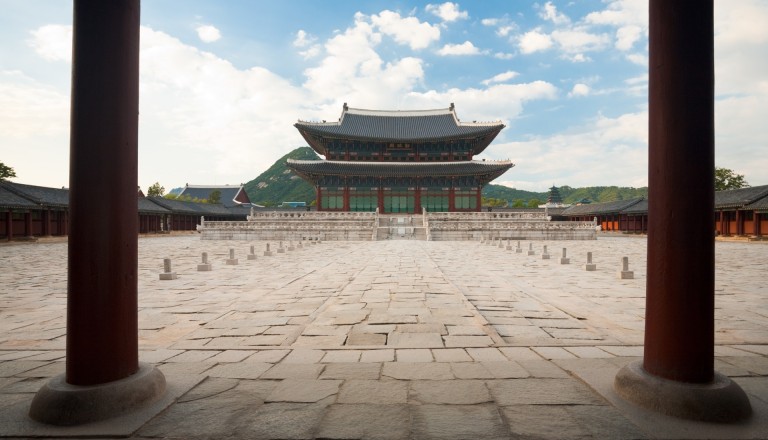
[(738, 198), (398, 126), (231, 195), (603, 208), (40, 195), (314, 169)]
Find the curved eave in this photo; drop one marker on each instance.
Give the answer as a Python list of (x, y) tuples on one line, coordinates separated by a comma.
[(316, 136), (313, 170)]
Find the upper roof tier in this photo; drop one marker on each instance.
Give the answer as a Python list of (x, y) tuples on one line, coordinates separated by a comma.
[(410, 126)]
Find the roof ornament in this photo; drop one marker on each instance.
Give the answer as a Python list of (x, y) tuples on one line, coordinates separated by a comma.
[(346, 107), (451, 107)]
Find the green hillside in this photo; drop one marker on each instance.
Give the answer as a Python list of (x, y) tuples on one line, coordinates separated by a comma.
[(278, 184)]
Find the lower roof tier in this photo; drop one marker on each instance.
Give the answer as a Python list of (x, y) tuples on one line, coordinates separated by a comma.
[(313, 170)]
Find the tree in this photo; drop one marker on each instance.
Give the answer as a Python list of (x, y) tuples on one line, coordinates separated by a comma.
[(534, 203), (214, 196), (155, 190), (6, 171), (728, 179), (519, 203)]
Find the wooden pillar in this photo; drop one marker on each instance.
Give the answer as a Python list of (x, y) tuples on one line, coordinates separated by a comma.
[(381, 198), (28, 224), (739, 222), (318, 199), (9, 224), (46, 219), (677, 376), (417, 199), (452, 199), (479, 198), (679, 330), (102, 320), (756, 223), (346, 198)]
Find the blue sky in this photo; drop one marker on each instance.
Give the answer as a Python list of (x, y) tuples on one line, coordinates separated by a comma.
[(222, 83)]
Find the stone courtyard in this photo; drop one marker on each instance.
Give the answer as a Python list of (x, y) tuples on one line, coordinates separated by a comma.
[(384, 339)]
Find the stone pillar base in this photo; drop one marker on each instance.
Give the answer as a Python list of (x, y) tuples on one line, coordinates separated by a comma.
[(204, 267), (545, 256), (251, 256), (626, 274), (589, 267), (565, 261), (721, 400), (62, 404), (168, 276), (531, 252), (267, 253), (232, 261)]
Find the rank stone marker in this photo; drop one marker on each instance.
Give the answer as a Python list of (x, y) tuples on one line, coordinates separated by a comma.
[(205, 266), (290, 246), (501, 243), (509, 246), (252, 255), (530, 249), (518, 249), (267, 253), (232, 261), (563, 259), (167, 273), (280, 248), (590, 266), (545, 254), (625, 273)]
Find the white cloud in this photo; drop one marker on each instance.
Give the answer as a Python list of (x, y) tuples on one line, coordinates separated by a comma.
[(53, 42), (577, 40), (503, 55), (640, 59), (534, 41), (308, 43), (503, 31), (626, 36), (208, 33), (549, 12), (489, 21), (608, 151), (465, 48), (579, 90), (501, 77), (405, 30), (447, 11)]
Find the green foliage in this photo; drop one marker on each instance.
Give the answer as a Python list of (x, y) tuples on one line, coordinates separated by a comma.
[(534, 203), (155, 190), (278, 184), (728, 179), (6, 171), (214, 196), (494, 203), (570, 195)]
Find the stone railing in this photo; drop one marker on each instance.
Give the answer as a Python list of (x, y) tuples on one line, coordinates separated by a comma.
[(310, 215), (486, 216)]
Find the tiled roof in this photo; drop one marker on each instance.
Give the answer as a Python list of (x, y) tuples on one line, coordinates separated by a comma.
[(640, 207), (312, 169), (192, 208), (759, 205), (228, 193), (601, 208), (738, 198), (12, 200), (53, 197), (415, 125), (147, 206)]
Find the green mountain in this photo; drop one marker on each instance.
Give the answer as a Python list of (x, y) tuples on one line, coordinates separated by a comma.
[(595, 194), (278, 184)]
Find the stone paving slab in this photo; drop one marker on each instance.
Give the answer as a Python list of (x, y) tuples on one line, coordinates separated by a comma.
[(393, 339)]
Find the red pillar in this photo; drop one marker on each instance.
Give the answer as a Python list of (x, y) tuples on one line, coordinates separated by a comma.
[(102, 320), (9, 225), (417, 199), (479, 199), (739, 222), (679, 326), (756, 223), (451, 199), (381, 199), (28, 224), (346, 198)]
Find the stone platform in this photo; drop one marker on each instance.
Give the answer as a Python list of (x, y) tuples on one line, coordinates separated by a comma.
[(384, 339)]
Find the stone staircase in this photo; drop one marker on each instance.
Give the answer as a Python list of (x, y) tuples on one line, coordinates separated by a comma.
[(401, 227)]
